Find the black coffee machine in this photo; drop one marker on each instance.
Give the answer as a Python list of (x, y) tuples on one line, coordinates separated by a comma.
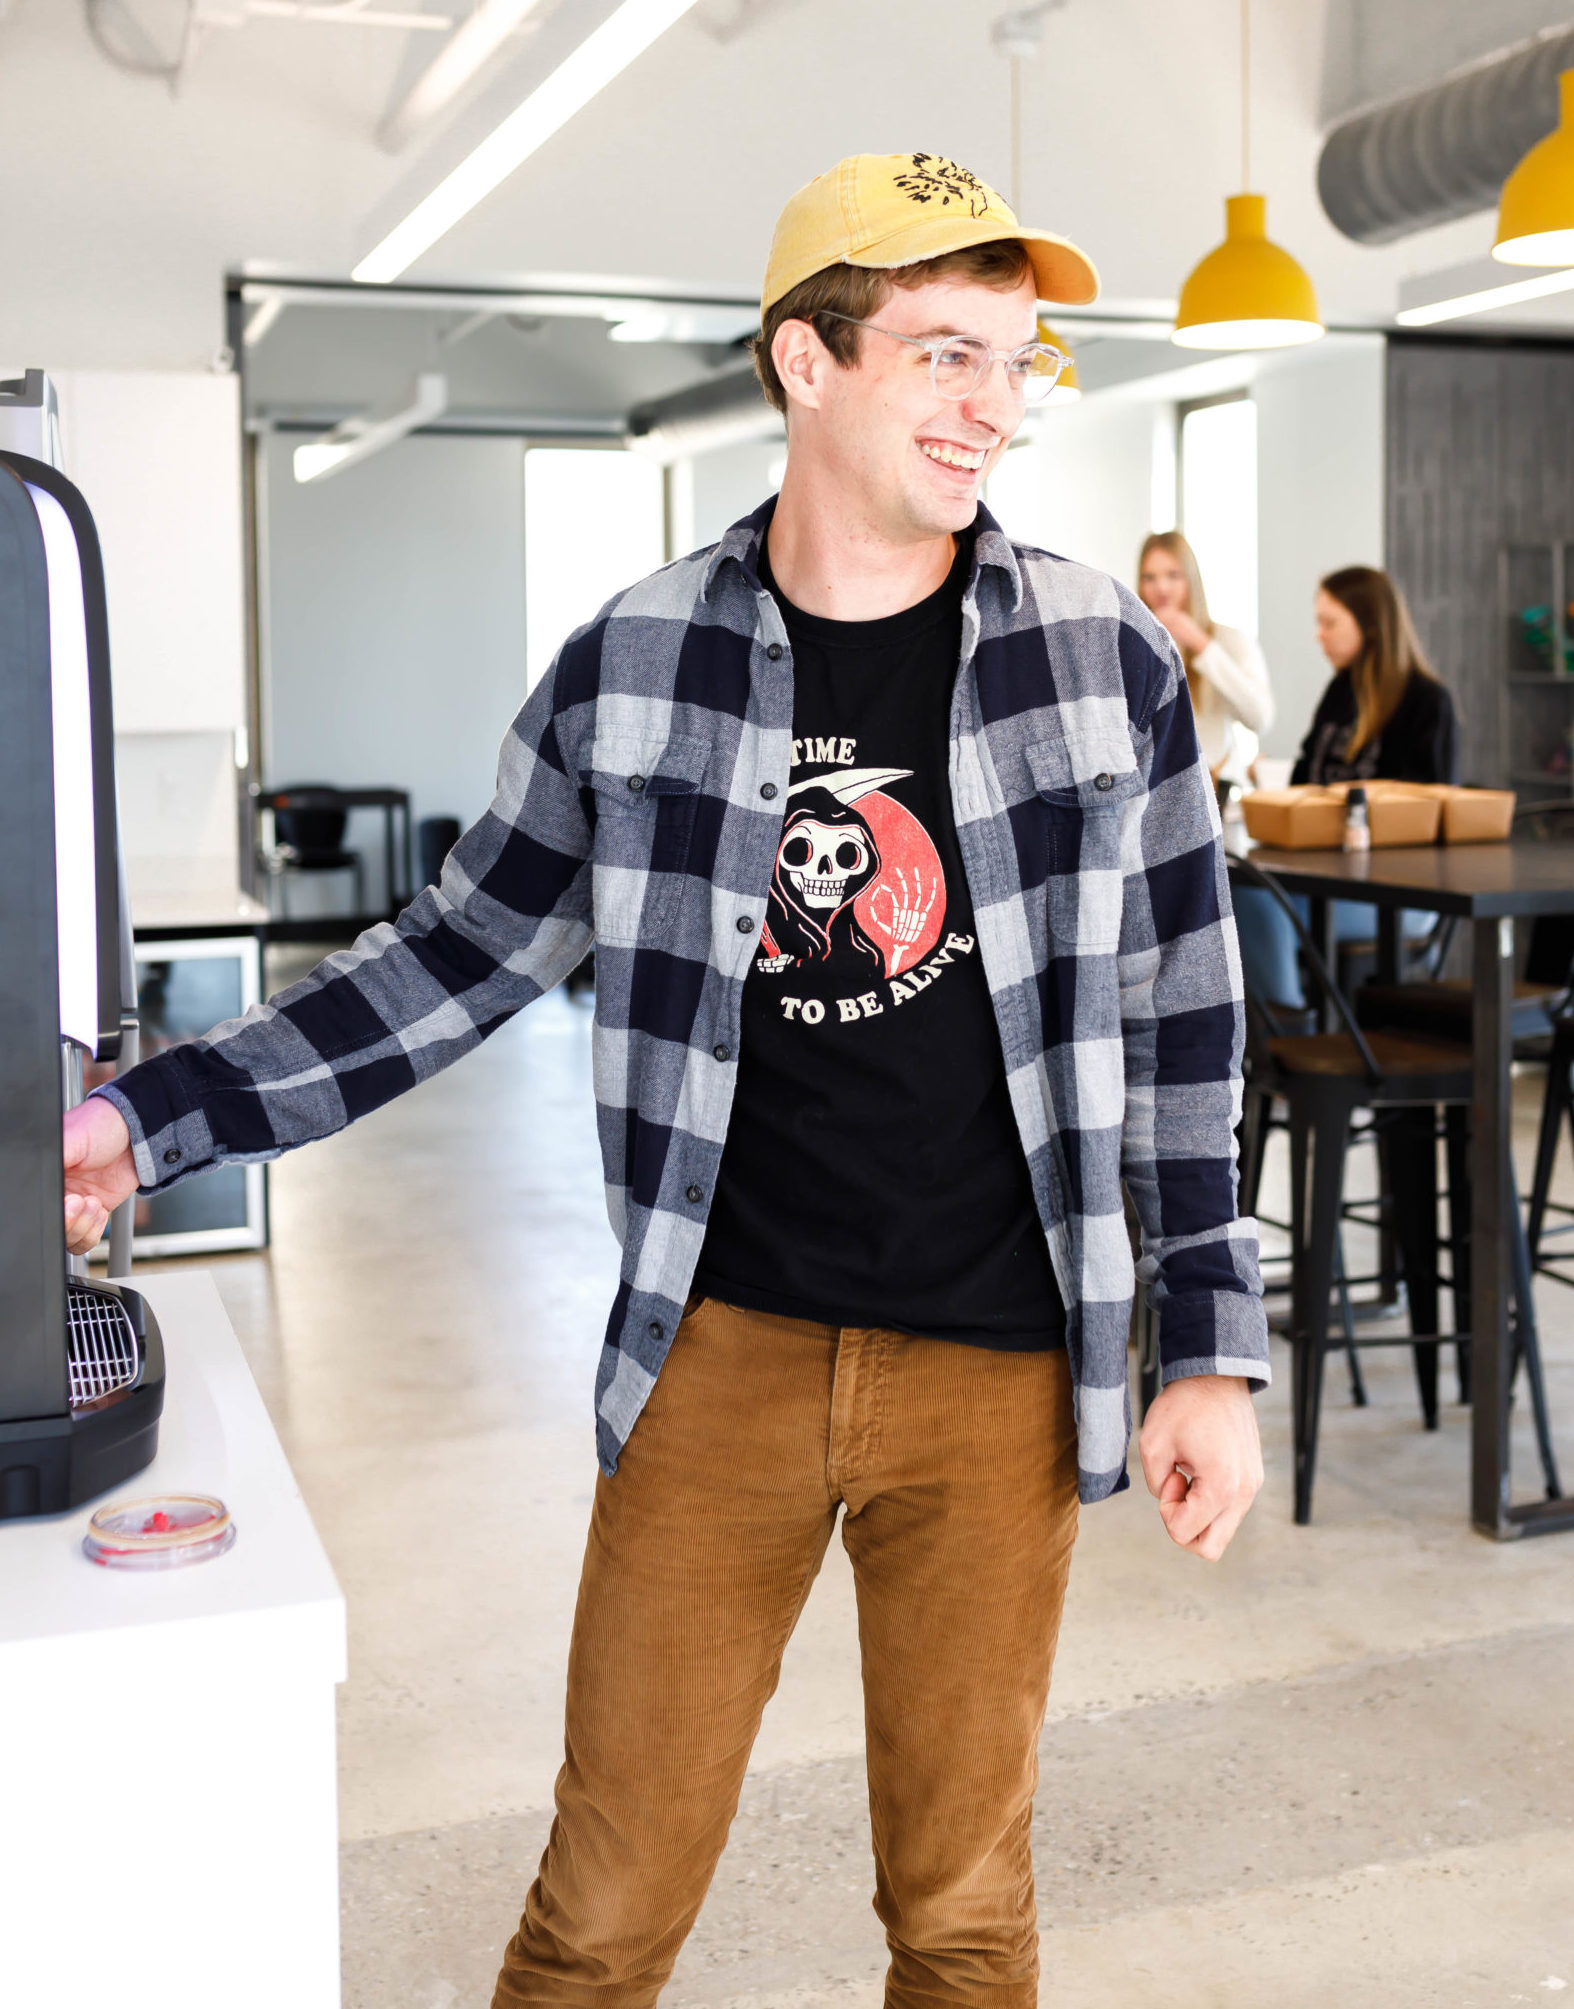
[(81, 1363)]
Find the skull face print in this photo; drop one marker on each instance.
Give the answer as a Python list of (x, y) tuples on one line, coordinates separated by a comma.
[(823, 859)]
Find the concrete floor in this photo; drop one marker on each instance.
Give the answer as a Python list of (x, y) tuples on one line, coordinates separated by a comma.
[(1336, 1768)]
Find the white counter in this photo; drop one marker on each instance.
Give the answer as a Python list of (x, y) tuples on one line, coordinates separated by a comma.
[(168, 1818)]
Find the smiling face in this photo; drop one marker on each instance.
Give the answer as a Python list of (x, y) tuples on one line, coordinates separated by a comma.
[(913, 461)]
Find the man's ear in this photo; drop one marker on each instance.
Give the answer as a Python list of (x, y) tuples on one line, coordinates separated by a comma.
[(801, 360)]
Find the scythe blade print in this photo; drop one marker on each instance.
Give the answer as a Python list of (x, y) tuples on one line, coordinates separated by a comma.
[(854, 785)]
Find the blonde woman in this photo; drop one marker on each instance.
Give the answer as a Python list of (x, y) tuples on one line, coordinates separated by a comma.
[(1224, 668)]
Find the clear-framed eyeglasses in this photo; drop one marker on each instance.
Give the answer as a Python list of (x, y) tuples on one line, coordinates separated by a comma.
[(958, 364)]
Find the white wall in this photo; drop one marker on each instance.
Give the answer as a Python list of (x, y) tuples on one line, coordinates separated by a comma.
[(1319, 506), (157, 454), (1319, 489), (396, 625), (179, 817), (731, 483), (593, 525), (1094, 464)]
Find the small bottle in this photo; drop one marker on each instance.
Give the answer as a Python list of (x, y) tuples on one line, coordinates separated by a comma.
[(1357, 830)]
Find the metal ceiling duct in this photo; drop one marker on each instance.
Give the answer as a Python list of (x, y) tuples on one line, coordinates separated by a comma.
[(722, 411), (1443, 152)]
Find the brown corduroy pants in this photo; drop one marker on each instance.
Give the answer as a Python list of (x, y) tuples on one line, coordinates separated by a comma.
[(955, 1468)]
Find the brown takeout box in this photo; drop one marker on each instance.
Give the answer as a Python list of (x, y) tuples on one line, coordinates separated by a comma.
[(1476, 815), (1310, 818)]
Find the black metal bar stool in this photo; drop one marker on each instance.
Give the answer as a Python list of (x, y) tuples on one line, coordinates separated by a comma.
[(1324, 1079)]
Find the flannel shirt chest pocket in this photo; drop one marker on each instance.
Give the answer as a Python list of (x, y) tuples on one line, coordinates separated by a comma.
[(1082, 783), (647, 794)]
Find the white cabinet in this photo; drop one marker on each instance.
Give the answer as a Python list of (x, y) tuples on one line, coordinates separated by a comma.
[(170, 1836), (157, 454)]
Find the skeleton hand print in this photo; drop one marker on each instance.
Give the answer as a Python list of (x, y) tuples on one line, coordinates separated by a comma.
[(909, 913)]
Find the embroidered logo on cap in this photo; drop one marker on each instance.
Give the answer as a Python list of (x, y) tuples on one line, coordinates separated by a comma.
[(934, 179)]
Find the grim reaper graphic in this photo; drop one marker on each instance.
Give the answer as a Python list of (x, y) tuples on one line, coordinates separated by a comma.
[(826, 857)]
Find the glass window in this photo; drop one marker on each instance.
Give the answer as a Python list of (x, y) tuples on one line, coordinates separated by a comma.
[(1218, 488), (593, 524)]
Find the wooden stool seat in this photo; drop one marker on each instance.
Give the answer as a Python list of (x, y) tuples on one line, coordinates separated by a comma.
[(1446, 1007), (1336, 1055)]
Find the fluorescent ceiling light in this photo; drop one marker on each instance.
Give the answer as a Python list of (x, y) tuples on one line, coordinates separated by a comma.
[(359, 438), (263, 319), (1481, 299), (468, 50), (604, 54)]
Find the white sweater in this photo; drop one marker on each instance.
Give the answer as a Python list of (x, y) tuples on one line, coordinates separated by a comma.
[(1234, 703)]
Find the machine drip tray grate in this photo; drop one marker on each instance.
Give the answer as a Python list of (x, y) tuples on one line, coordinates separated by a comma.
[(103, 1356)]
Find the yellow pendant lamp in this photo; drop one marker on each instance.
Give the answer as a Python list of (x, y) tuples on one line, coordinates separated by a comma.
[(1067, 390), (1535, 219), (1248, 293)]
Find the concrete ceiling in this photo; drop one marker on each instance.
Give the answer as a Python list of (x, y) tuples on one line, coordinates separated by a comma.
[(1378, 49), (131, 204)]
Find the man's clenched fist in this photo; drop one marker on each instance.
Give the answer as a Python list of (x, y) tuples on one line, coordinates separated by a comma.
[(1202, 1460), (99, 1170)]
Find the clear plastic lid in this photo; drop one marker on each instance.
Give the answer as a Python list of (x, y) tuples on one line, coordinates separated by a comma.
[(164, 1532)]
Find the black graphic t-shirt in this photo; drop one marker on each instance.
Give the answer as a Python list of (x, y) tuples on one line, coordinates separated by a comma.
[(872, 1173)]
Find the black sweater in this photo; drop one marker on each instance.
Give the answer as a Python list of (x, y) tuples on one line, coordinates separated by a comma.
[(1417, 744)]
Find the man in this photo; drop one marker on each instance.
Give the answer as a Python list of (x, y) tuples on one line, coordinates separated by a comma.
[(912, 942)]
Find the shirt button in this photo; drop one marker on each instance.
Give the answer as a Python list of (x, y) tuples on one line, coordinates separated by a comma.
[(722, 1052), (745, 925), (774, 652), (655, 1329), (696, 1194), (172, 1156), (636, 782), (1103, 781), (768, 790)]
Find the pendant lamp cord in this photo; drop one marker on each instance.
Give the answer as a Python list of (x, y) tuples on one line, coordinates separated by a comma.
[(1016, 135), (1246, 96)]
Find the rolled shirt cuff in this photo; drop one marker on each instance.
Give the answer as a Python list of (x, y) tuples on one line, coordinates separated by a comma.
[(1214, 1332), (170, 1138)]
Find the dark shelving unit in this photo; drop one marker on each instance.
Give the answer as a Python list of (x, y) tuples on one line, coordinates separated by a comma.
[(1536, 687)]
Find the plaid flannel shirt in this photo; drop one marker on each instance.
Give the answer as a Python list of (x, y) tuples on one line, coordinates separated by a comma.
[(639, 805)]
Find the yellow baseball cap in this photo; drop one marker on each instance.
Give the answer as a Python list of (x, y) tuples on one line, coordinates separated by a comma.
[(887, 209)]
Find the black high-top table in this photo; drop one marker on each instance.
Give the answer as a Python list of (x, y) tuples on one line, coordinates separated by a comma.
[(1488, 886)]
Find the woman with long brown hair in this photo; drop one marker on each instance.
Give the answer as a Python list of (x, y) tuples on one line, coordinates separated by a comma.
[(1225, 671), (1383, 717)]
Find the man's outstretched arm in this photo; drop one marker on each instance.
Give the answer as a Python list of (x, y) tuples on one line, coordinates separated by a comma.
[(511, 916), (1183, 1027)]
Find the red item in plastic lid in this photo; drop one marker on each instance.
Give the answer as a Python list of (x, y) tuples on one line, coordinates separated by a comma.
[(163, 1533)]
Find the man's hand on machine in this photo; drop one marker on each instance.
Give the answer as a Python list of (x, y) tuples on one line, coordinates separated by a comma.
[(99, 1170), (1202, 1460)]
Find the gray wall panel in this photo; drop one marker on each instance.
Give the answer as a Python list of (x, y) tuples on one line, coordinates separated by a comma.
[(1480, 452)]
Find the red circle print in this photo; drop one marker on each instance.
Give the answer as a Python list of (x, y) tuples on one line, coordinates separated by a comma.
[(904, 908)]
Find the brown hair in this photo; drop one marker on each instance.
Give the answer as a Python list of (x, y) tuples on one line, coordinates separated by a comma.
[(1196, 599), (862, 290), (1390, 653)]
